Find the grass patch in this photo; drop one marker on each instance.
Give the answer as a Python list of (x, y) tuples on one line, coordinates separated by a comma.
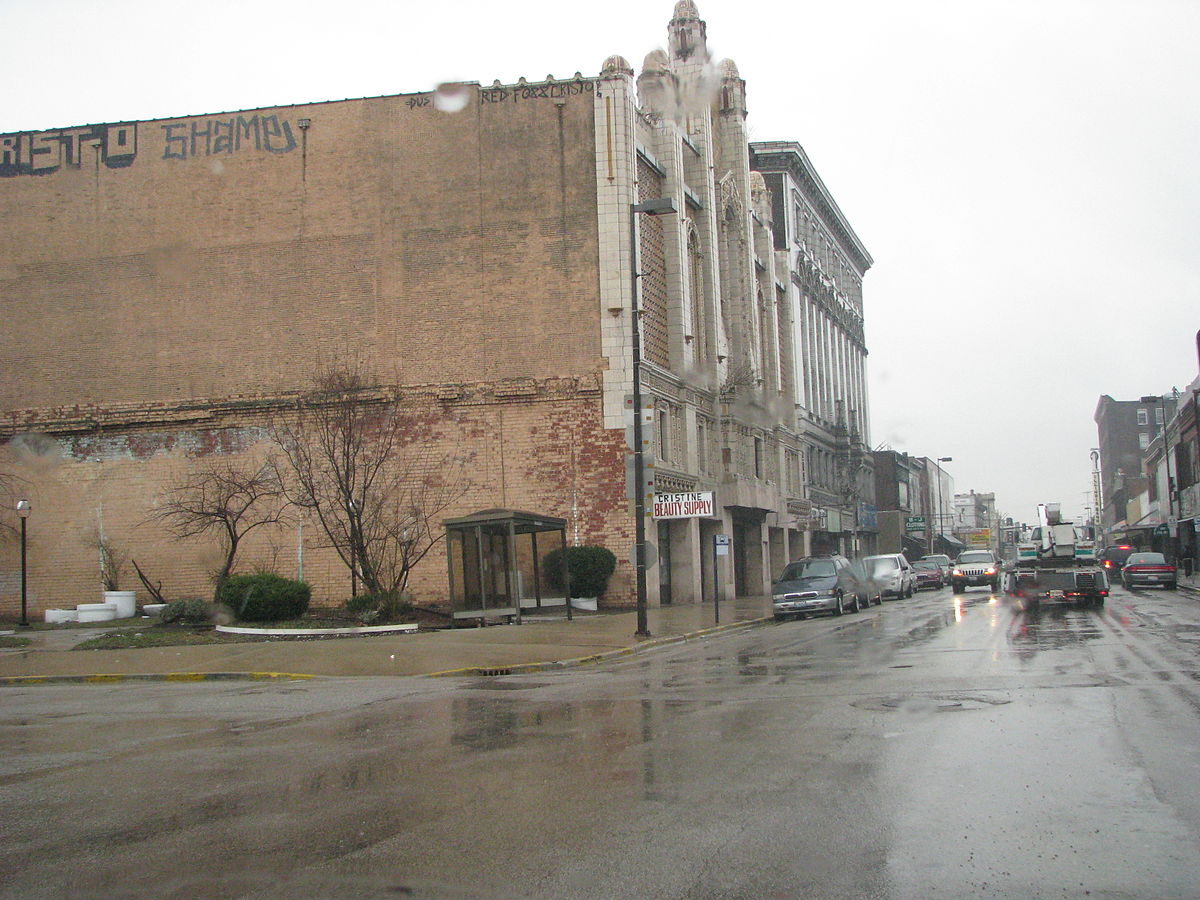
[(11, 640), (159, 636)]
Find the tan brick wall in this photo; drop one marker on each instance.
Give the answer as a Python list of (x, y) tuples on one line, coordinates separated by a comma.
[(233, 249), (544, 451)]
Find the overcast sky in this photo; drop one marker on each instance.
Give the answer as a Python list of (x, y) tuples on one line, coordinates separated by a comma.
[(1025, 173)]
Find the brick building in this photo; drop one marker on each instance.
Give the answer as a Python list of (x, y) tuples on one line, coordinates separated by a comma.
[(170, 285)]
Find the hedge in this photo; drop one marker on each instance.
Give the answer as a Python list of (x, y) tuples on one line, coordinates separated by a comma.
[(264, 597), (591, 567)]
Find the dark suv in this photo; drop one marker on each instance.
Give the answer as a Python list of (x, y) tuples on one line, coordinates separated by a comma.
[(1114, 558), (815, 584)]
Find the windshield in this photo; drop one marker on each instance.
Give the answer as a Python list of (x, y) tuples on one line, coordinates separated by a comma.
[(978, 556), (926, 564), (809, 568), (1147, 559)]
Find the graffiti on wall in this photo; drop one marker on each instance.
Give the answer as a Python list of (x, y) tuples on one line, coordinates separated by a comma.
[(516, 93), (213, 137), (45, 152)]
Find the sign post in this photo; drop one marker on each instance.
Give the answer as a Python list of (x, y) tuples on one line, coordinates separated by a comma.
[(720, 548)]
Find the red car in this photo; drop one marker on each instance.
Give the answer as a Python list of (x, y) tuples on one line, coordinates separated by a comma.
[(929, 574), (1148, 568)]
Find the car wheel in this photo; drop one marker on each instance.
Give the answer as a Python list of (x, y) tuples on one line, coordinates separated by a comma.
[(911, 590), (856, 606), (1171, 585), (780, 617), (838, 610)]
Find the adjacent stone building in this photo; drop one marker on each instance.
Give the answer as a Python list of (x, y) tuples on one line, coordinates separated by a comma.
[(170, 286)]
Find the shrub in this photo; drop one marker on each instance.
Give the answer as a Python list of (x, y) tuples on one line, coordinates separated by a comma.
[(264, 597), (386, 606), (189, 612), (591, 567)]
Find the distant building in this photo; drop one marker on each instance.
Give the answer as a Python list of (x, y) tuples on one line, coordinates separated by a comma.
[(1126, 429), (976, 521), (898, 501)]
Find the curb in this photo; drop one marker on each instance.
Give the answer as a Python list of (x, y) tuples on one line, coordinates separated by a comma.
[(468, 671), (18, 680), (525, 668)]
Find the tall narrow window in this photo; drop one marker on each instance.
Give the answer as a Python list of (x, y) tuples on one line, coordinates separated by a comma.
[(696, 288)]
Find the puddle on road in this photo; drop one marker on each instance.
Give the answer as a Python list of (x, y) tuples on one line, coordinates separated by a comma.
[(924, 706)]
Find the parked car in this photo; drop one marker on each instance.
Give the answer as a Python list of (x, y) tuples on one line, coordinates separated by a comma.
[(1148, 568), (942, 560), (975, 567), (815, 584), (892, 574), (864, 586), (1113, 558), (928, 573)]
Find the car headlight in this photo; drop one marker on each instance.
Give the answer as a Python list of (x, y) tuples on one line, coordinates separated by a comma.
[(956, 572), (990, 572)]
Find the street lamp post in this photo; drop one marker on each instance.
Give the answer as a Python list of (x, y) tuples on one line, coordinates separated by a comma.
[(24, 508), (662, 206)]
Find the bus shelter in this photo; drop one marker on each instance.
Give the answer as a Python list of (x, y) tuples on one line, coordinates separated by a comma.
[(497, 562)]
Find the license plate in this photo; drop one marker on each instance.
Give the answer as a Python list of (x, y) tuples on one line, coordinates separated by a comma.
[(1054, 595)]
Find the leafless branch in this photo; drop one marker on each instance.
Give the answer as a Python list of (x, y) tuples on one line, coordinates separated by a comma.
[(366, 463), (226, 499)]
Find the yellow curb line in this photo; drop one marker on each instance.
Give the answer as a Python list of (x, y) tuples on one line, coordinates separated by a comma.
[(180, 677)]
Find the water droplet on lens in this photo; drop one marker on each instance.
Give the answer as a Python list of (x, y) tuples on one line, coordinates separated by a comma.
[(451, 97)]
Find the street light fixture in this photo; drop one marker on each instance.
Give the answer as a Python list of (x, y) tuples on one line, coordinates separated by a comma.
[(661, 206), (24, 508)]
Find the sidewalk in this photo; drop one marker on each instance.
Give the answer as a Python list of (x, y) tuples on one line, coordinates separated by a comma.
[(542, 642)]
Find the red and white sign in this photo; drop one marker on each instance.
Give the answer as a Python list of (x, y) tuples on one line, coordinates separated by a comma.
[(684, 505)]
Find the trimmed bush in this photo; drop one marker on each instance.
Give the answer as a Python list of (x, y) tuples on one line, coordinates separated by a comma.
[(264, 597), (591, 567), (188, 612)]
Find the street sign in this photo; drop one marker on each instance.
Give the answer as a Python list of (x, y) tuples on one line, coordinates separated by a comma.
[(914, 524), (721, 544)]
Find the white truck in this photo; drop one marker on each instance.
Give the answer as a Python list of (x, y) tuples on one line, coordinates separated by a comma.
[(1057, 563)]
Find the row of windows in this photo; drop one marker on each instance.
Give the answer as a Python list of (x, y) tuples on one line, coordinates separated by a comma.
[(1143, 416), (752, 455)]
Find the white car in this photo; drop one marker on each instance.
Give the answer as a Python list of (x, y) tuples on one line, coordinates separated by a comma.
[(892, 574)]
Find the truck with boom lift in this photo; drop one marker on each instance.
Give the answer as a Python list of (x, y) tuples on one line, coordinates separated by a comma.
[(1057, 563)]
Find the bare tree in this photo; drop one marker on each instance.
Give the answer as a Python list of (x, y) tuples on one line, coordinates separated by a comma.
[(225, 499), (111, 556), (366, 463)]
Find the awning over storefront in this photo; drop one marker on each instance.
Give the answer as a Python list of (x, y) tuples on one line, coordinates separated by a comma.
[(948, 544)]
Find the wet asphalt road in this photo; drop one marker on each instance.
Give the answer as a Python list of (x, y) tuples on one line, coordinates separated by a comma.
[(932, 747)]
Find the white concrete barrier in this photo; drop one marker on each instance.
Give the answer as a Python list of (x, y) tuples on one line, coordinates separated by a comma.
[(96, 612)]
